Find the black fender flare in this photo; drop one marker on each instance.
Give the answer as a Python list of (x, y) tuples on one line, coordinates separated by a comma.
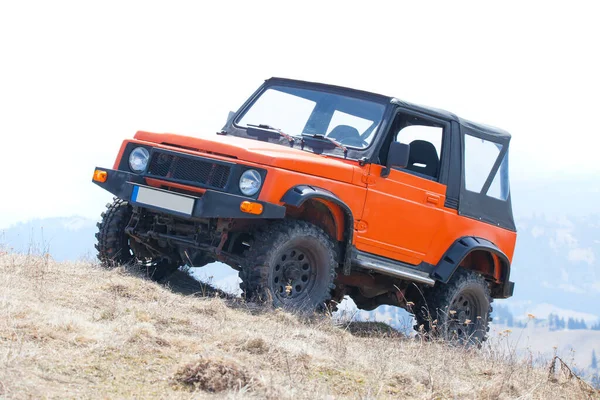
[(460, 249), (297, 195)]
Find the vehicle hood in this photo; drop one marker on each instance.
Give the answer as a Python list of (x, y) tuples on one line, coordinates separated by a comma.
[(258, 152)]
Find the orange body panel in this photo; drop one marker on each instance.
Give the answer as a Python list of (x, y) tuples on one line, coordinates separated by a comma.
[(407, 221), (338, 217), (401, 216), (257, 152)]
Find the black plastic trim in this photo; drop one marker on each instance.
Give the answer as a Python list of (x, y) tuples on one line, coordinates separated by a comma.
[(460, 249), (211, 204), (232, 186), (297, 195), (451, 203), (178, 154), (454, 165)]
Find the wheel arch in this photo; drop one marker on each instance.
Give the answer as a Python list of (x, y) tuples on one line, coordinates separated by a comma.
[(480, 255), (340, 213)]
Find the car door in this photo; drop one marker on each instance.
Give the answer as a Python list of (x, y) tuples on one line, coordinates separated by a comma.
[(404, 210)]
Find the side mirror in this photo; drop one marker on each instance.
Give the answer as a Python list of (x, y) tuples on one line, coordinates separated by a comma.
[(397, 157)]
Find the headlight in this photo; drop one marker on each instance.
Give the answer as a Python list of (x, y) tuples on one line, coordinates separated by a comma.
[(138, 159), (250, 182)]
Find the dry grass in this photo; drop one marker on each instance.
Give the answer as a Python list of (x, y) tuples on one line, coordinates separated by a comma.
[(213, 375), (73, 330)]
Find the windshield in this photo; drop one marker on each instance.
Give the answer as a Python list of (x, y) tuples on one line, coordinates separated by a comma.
[(348, 120)]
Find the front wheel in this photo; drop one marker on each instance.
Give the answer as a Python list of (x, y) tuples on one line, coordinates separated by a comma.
[(291, 264), (114, 244), (458, 311)]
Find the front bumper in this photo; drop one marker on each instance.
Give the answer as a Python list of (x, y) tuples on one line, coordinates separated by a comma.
[(211, 204), (509, 289)]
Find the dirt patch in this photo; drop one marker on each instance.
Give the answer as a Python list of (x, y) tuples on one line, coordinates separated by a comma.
[(213, 375), (373, 329), (256, 346)]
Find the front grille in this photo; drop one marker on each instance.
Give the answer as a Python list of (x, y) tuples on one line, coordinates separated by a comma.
[(193, 170)]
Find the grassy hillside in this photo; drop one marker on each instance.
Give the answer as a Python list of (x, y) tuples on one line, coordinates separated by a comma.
[(73, 330)]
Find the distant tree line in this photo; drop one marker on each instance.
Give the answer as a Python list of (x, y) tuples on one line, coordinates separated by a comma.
[(503, 316), (556, 324), (595, 378)]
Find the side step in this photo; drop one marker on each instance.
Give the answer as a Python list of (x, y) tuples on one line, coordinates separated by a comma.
[(392, 268)]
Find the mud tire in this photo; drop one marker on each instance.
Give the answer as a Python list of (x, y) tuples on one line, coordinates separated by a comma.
[(113, 243), (278, 257), (114, 247), (445, 308)]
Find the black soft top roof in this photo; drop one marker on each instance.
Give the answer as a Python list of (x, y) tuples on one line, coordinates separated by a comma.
[(485, 131)]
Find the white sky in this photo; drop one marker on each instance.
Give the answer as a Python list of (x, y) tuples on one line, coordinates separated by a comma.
[(76, 78)]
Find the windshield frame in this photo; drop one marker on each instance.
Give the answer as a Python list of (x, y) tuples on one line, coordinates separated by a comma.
[(354, 153)]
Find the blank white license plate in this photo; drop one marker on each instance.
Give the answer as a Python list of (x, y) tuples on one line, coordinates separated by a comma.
[(161, 199)]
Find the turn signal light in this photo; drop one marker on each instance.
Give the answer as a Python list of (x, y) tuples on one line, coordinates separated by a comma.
[(100, 176), (251, 208)]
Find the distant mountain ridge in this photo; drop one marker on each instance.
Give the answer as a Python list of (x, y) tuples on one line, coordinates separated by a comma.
[(557, 261), (64, 238)]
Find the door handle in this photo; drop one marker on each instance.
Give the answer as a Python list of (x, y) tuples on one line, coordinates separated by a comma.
[(433, 199)]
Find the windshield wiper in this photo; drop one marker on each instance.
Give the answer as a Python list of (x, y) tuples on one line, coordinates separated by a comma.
[(290, 138), (319, 136)]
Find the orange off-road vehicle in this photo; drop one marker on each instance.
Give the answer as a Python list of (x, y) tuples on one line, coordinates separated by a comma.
[(313, 192)]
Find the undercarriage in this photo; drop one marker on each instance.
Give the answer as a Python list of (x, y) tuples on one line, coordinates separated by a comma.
[(191, 242), (199, 242)]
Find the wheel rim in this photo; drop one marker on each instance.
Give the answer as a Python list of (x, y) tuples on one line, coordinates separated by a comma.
[(464, 316), (294, 274)]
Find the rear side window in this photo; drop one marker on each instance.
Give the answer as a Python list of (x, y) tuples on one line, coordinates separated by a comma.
[(500, 187), (480, 157)]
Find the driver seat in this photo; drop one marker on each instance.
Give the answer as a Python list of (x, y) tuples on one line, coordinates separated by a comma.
[(346, 134), (423, 158)]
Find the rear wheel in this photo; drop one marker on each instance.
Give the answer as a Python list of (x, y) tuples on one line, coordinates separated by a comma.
[(291, 264), (114, 246), (458, 311)]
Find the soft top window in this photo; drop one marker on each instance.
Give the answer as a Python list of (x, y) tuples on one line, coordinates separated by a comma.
[(482, 174), (485, 193)]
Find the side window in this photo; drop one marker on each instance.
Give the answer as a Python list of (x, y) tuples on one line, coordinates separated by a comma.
[(425, 137), (480, 157), (425, 148), (431, 134)]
